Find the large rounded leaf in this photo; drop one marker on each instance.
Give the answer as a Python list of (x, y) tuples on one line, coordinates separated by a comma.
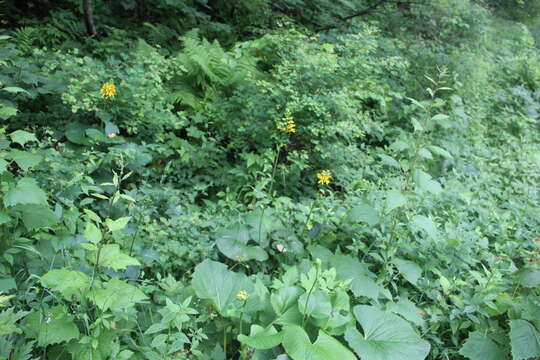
[(386, 337), (298, 346)]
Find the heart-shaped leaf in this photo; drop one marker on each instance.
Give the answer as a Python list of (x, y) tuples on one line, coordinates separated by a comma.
[(298, 346), (386, 336)]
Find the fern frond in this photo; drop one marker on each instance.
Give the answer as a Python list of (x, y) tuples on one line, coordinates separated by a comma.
[(208, 69), (25, 37)]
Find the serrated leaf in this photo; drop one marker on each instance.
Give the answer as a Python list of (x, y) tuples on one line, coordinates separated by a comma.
[(26, 192), (92, 233), (22, 137), (424, 183), (116, 295), (3, 165), (24, 159), (410, 270), (529, 277), (7, 111), (118, 224), (111, 256), (440, 151), (394, 200), (53, 326), (67, 282), (386, 337), (524, 339), (389, 161), (37, 216), (479, 346), (421, 222), (298, 346)]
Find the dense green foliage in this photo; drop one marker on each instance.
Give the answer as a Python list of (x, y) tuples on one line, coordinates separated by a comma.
[(270, 180)]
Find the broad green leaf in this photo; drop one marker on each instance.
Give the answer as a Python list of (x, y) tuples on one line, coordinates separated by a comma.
[(389, 161), (407, 309), (24, 159), (529, 277), (22, 137), (233, 243), (76, 133), (52, 326), (37, 216), (386, 337), (317, 304), (26, 192), (480, 347), (7, 283), (394, 199), (425, 153), (7, 111), (92, 233), (214, 282), (261, 338), (67, 282), (118, 224), (364, 213), (524, 339), (298, 346), (8, 322), (3, 165), (424, 182), (116, 295), (363, 281), (440, 151), (111, 256), (111, 128), (4, 218), (421, 222), (440, 117), (14, 90), (284, 298), (410, 271)]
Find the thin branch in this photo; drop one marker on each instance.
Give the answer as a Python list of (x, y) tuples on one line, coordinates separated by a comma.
[(89, 18), (358, 13)]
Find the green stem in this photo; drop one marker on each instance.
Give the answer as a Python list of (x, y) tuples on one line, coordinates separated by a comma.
[(242, 316), (309, 294)]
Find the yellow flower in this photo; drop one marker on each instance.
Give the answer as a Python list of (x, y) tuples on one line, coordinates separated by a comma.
[(287, 124), (242, 295), (324, 177), (107, 91)]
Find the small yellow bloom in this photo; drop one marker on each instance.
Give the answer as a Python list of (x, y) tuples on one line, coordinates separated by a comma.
[(324, 177), (287, 124), (242, 295), (107, 91)]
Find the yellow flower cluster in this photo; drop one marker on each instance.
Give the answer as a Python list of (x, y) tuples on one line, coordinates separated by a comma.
[(242, 295), (324, 177), (287, 124), (107, 91)]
